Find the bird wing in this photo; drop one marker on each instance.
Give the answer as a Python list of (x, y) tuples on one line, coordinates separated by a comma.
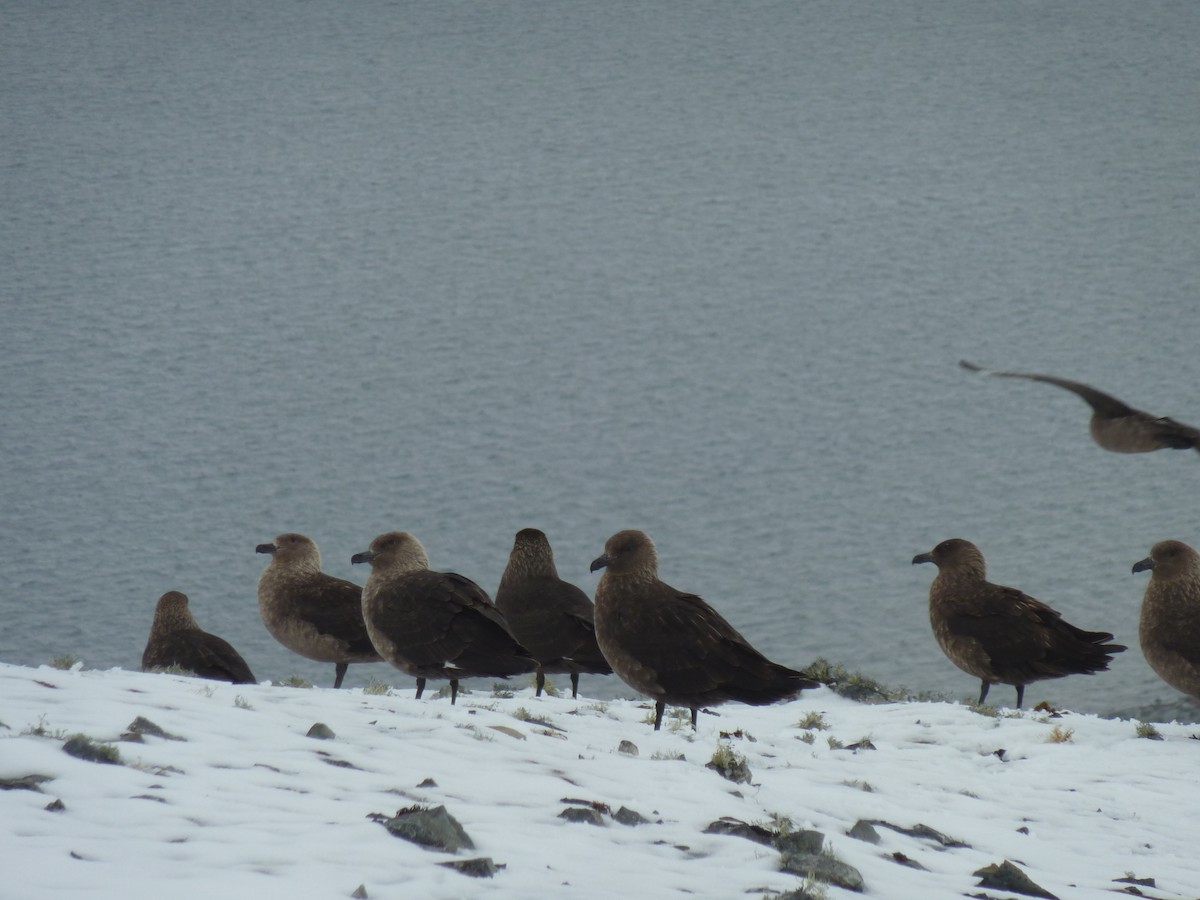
[(334, 607), (1105, 404)]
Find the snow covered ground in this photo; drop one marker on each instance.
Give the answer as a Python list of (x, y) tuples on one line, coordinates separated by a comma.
[(244, 804)]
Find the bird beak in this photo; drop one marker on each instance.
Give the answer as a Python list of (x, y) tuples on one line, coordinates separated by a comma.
[(265, 548), (922, 558), (1143, 565), (600, 562), (366, 556)]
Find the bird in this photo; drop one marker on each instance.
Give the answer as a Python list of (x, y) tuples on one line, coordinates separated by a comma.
[(552, 618), (1000, 634), (176, 639), (1169, 625), (1114, 425), (309, 612), (672, 645), (433, 624)]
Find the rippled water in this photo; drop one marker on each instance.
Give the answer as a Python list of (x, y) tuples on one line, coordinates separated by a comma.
[(698, 268)]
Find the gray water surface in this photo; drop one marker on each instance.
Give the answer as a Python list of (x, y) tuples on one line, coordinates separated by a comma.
[(704, 269)]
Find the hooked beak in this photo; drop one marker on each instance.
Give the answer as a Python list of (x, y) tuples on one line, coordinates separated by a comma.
[(365, 557), (922, 558), (600, 562), (1143, 565), (265, 548)]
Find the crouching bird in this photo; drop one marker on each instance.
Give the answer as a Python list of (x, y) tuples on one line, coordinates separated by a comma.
[(673, 646), (999, 634)]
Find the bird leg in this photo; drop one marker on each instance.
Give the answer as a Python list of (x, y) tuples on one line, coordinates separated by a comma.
[(695, 710), (658, 714), (541, 681), (420, 687), (453, 690), (1020, 695), (574, 685), (984, 685), (340, 669)]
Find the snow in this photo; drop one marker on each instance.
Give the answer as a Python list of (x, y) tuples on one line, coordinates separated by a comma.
[(246, 805)]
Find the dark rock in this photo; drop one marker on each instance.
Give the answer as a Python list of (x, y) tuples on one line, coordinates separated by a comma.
[(434, 828), (864, 831), (799, 842), (864, 744), (83, 747), (738, 828), (1132, 879), (923, 831), (360, 893), (626, 816), (480, 867), (799, 894), (321, 732), (585, 814), (24, 783), (731, 766), (907, 861), (823, 867), (428, 783), (629, 748), (1007, 877), (56, 806)]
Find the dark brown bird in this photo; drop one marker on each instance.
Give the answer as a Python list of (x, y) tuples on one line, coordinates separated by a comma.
[(999, 634), (1114, 425), (552, 618), (310, 612), (1169, 627), (176, 639), (673, 646), (434, 624)]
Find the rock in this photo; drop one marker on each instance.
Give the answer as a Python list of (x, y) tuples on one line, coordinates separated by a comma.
[(83, 747), (1007, 877), (823, 867), (434, 828), (25, 783), (907, 861), (56, 806), (731, 766), (360, 893), (321, 732), (629, 748), (864, 831), (584, 814), (428, 783), (802, 841), (923, 831), (738, 828), (626, 816), (480, 867)]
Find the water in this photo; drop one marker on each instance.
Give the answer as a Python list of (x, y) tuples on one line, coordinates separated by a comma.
[(696, 268)]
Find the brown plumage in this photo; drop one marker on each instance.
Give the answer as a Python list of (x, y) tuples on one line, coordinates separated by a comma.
[(1169, 627), (1114, 425), (552, 618), (310, 612), (433, 624), (177, 640), (999, 634), (673, 646)]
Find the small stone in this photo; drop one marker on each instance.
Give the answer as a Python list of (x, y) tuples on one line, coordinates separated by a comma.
[(626, 816), (907, 861), (864, 831), (321, 732), (428, 783), (1007, 877), (480, 867), (738, 828), (142, 726), (360, 893), (56, 806), (734, 770), (584, 814), (629, 748)]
